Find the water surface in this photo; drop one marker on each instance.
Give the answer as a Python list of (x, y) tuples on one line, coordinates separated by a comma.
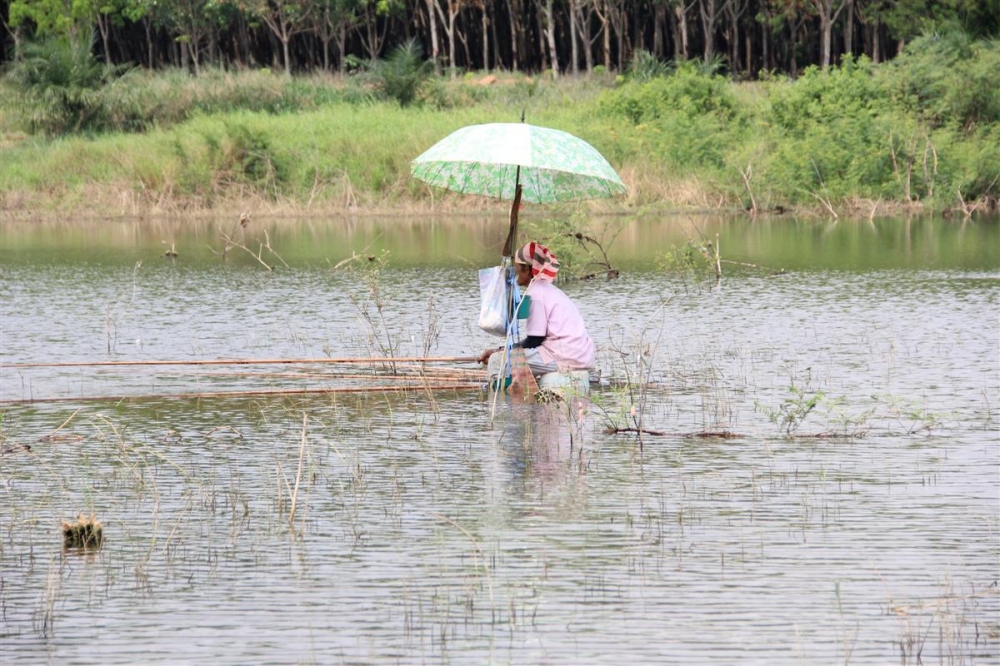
[(437, 526)]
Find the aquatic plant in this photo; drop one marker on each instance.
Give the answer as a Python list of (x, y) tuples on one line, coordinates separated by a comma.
[(794, 409), (372, 305), (625, 411), (906, 412)]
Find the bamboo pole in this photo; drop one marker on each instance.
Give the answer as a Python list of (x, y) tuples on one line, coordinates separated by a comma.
[(259, 392), (412, 377), (259, 361)]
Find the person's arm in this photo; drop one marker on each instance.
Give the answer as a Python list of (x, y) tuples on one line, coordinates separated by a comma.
[(529, 342)]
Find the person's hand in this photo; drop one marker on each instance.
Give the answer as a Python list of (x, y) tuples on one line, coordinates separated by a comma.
[(484, 358)]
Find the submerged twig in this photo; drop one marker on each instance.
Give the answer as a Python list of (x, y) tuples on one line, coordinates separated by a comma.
[(707, 434), (62, 425)]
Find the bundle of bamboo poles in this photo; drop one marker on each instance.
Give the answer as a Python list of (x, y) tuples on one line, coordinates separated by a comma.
[(393, 374), (368, 360)]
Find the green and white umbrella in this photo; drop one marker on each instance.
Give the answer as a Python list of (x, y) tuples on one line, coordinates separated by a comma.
[(517, 161), (485, 159)]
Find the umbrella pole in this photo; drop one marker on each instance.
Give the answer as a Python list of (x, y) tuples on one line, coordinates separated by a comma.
[(508, 251), (510, 244)]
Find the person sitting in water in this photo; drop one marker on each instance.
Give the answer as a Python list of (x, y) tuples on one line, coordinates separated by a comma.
[(557, 339)]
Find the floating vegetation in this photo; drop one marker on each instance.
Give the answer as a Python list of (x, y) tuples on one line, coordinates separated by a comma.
[(84, 533), (547, 395)]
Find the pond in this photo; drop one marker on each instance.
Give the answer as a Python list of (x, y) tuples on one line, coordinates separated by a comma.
[(797, 463)]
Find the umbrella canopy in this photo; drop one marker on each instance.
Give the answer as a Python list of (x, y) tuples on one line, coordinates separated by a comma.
[(493, 159)]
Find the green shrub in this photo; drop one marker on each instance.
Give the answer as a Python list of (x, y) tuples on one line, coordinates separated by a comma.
[(59, 86), (687, 92), (404, 72), (645, 67), (685, 118), (947, 80), (820, 96), (249, 155)]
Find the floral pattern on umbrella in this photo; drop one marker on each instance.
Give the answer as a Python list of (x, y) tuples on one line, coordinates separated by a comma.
[(490, 160)]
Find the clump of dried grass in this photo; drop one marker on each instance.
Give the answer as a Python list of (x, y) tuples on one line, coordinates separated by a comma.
[(86, 532)]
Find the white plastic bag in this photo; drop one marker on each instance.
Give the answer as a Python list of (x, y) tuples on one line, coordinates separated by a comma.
[(493, 300)]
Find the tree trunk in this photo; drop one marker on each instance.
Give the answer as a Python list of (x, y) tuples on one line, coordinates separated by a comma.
[(486, 41), (539, 21), (325, 34), (735, 10), (607, 34), (497, 61), (574, 48), (342, 48), (550, 35), (211, 49), (659, 18), (710, 10), (849, 29), (680, 12), (826, 28), (827, 11), (147, 24), (285, 39), (625, 48), (449, 32), (748, 53), (467, 62), (103, 25), (619, 21), (432, 23), (794, 66), (513, 12), (733, 42), (246, 44), (452, 14), (765, 47), (372, 38)]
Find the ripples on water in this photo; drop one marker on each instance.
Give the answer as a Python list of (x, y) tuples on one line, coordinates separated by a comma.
[(423, 533)]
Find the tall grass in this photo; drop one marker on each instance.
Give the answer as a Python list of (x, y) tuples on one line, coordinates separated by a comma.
[(323, 155), (680, 136)]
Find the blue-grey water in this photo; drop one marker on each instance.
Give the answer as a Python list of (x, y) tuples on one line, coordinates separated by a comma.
[(440, 526)]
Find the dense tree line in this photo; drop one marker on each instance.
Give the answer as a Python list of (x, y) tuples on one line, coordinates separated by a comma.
[(743, 37)]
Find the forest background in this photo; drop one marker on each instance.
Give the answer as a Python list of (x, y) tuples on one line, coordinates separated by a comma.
[(144, 106)]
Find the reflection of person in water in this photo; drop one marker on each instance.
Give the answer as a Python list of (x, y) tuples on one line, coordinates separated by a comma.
[(544, 446), (557, 339)]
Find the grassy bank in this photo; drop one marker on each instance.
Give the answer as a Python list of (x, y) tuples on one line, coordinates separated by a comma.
[(923, 131)]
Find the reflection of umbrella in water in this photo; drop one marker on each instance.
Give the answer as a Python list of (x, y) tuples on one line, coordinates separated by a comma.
[(517, 162)]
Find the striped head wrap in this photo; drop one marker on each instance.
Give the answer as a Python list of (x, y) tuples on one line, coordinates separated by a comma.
[(544, 264)]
